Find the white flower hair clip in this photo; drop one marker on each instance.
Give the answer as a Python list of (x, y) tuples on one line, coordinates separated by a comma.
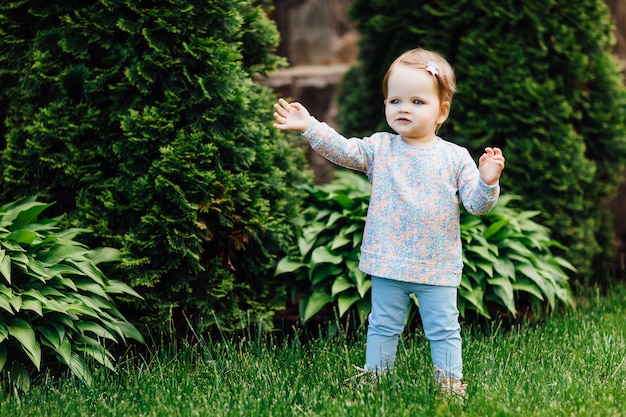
[(431, 66)]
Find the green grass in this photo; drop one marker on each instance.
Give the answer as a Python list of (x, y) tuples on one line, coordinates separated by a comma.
[(571, 365)]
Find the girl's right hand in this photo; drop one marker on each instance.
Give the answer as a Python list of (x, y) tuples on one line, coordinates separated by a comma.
[(291, 116)]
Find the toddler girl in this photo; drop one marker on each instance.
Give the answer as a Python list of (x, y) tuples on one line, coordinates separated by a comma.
[(411, 241)]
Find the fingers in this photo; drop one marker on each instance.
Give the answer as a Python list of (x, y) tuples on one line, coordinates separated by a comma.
[(498, 157), (492, 159), (283, 107), (494, 153), (282, 111)]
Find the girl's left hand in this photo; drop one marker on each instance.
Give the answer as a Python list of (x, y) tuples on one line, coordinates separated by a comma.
[(490, 165)]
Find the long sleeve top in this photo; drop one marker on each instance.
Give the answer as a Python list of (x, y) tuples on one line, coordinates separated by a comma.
[(412, 230)]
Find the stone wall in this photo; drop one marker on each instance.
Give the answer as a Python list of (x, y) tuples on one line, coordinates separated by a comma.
[(320, 44), (618, 204), (618, 10)]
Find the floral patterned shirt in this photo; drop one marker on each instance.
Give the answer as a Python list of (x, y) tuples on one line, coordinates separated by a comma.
[(412, 231)]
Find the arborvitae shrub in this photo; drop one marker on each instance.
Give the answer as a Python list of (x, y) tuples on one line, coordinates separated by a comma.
[(535, 78), (142, 122)]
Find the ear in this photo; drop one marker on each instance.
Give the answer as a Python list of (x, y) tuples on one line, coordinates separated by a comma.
[(444, 111)]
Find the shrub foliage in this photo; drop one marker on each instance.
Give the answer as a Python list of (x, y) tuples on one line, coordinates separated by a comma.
[(534, 78), (55, 302), (142, 121), (507, 256)]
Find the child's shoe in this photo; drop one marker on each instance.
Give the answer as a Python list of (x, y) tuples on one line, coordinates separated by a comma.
[(366, 376), (451, 386)]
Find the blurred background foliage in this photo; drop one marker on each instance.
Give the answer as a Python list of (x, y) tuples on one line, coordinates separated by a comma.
[(537, 79)]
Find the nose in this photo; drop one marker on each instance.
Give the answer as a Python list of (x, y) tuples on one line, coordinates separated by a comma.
[(404, 109)]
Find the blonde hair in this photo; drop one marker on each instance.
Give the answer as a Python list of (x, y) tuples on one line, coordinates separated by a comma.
[(417, 58)]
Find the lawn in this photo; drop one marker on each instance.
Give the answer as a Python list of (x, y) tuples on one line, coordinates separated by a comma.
[(573, 364)]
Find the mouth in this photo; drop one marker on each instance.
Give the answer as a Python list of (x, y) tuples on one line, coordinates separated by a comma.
[(402, 120)]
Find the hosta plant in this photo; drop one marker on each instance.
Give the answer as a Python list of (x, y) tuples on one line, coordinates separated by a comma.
[(507, 257), (56, 304), (324, 269), (508, 263)]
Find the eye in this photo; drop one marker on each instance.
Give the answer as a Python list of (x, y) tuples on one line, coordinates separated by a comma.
[(416, 101), (394, 101)]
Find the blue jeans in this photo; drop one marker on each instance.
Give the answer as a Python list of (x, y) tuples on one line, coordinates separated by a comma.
[(440, 318)]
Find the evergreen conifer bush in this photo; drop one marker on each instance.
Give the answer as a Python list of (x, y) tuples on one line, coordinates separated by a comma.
[(142, 121), (56, 304), (534, 78)]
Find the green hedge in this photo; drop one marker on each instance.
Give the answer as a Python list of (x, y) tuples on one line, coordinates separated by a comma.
[(534, 78), (142, 122)]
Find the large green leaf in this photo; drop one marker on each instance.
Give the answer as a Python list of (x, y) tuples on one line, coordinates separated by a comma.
[(22, 236), (126, 330), (89, 270), (12, 246), (475, 298), (487, 267), (79, 369), (4, 304), (494, 228), (54, 306), (64, 350), (503, 289), (65, 282), (19, 376), (505, 268), (32, 305), (5, 265), (16, 302), (333, 218), (363, 281), (28, 213), (80, 308), (3, 356), (87, 286), (346, 301), (306, 242), (318, 300), (324, 273), (287, 265), (23, 332), (340, 284), (100, 354), (62, 269), (102, 255), (52, 334), (483, 251), (4, 332), (323, 255), (98, 330), (340, 240), (38, 270), (119, 287), (528, 287), (58, 253), (531, 272)]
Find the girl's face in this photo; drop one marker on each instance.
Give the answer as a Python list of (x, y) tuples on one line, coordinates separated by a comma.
[(412, 107)]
